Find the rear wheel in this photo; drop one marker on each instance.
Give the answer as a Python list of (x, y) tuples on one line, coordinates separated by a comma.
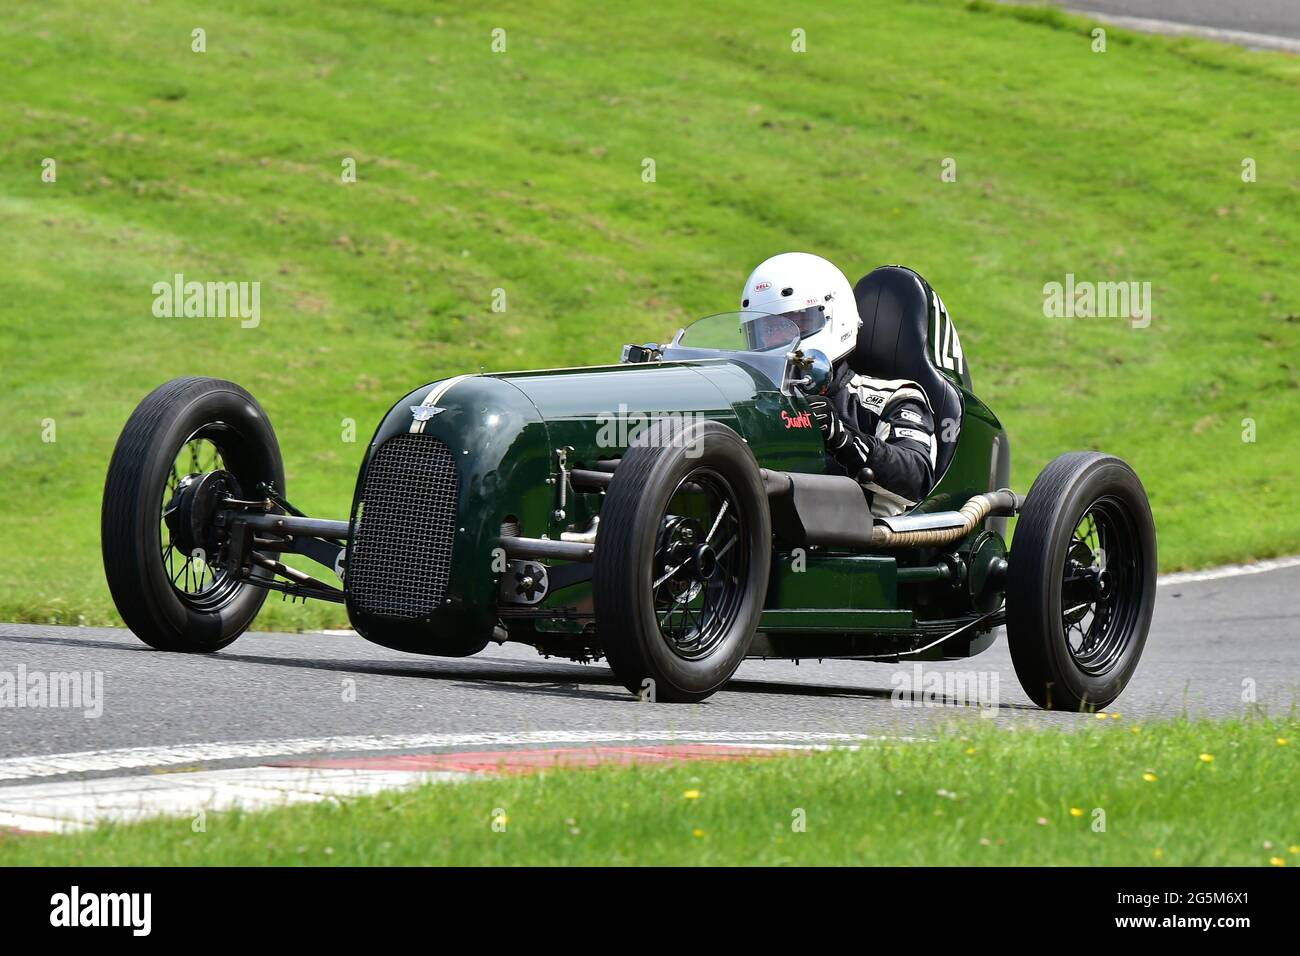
[(681, 561), (189, 445), (1081, 582)]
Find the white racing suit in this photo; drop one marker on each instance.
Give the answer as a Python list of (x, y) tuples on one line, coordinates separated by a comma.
[(888, 426)]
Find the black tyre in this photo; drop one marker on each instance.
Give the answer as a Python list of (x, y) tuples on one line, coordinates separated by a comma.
[(1081, 582), (681, 562), (173, 598)]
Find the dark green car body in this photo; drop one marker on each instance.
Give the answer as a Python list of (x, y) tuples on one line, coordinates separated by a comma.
[(670, 515), (514, 438)]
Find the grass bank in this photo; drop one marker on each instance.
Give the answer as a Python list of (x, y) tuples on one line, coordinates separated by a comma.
[(523, 171)]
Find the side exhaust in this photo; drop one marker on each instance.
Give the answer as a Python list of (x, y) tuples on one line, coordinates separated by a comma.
[(943, 527), (829, 510), (810, 509)]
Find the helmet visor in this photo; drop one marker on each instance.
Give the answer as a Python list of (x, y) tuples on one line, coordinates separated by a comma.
[(763, 332), (809, 320)]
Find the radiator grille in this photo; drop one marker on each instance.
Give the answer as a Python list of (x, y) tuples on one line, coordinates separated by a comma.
[(400, 558)]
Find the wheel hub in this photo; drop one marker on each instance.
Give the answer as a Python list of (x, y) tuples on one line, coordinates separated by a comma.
[(704, 562), (699, 566), (189, 514), (1097, 586)]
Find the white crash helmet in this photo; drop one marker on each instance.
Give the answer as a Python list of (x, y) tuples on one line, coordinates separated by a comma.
[(812, 293)]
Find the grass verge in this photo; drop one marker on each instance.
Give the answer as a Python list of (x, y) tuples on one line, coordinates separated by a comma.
[(1199, 793)]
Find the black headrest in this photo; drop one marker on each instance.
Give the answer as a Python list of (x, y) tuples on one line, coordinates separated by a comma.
[(906, 333)]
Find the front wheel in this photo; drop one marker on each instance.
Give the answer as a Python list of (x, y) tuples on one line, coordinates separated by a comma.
[(682, 559), (192, 443), (1081, 582)]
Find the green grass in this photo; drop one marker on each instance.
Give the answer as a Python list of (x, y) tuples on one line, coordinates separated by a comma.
[(522, 171), (962, 799)]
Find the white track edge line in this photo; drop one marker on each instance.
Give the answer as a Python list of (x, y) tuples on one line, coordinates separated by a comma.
[(144, 758), (1229, 571), (1175, 28)]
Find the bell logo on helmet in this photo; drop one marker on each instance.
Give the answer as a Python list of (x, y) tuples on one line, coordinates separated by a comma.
[(762, 287)]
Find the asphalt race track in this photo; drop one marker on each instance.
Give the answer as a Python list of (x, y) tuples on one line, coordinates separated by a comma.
[(1216, 640), (1279, 18)]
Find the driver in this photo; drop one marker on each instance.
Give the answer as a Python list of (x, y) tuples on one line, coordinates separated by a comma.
[(884, 425)]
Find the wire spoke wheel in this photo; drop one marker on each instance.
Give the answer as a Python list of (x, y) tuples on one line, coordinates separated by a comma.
[(1081, 582), (698, 570), (194, 572), (191, 444), (681, 566), (1098, 592)]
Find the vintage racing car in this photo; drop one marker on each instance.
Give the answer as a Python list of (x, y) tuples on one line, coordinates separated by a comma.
[(673, 514)]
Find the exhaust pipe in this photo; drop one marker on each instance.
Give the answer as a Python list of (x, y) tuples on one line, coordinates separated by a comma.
[(943, 527), (826, 510)]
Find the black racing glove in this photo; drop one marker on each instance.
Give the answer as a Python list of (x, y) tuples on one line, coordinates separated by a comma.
[(828, 420)]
